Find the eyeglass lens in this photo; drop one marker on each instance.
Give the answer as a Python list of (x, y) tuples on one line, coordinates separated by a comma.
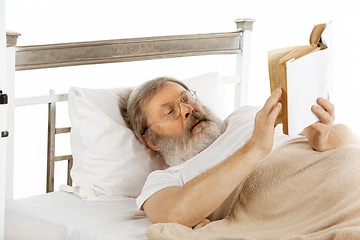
[(173, 110)]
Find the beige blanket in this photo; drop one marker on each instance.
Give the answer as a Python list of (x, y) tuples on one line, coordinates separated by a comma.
[(295, 193)]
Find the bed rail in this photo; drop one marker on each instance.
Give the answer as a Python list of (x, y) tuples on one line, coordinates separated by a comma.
[(125, 50), (110, 51)]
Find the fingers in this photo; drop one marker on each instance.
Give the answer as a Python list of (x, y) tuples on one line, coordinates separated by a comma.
[(272, 102), (306, 131), (275, 112), (322, 129), (263, 134), (327, 105), (271, 109), (326, 112)]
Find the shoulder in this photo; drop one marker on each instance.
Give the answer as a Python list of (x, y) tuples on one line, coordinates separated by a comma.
[(157, 181)]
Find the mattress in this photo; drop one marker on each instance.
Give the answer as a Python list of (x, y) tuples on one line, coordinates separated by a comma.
[(61, 215)]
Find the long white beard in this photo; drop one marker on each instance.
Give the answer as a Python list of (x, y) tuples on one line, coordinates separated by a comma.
[(178, 150)]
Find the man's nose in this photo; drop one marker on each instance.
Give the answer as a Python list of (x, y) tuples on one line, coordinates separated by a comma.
[(185, 110)]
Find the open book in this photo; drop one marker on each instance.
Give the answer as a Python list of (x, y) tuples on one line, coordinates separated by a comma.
[(304, 74)]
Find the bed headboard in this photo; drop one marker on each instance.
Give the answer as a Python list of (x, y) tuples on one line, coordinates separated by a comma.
[(20, 58)]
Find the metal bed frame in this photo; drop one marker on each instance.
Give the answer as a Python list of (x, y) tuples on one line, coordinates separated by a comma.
[(20, 58)]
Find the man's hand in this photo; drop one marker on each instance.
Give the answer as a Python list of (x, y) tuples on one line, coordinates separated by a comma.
[(318, 133), (262, 139)]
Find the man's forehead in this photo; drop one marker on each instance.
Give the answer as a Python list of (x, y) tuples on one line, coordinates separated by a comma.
[(168, 92)]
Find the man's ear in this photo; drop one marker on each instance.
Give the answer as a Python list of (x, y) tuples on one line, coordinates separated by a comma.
[(150, 144)]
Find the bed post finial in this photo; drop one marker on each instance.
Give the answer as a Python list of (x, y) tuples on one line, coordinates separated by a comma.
[(11, 38), (245, 27), (243, 24)]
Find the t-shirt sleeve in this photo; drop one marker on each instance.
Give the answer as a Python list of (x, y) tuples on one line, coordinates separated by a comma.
[(156, 181)]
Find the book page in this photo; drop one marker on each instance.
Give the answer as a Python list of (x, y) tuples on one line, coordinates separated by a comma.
[(307, 80), (326, 39), (277, 79), (299, 52), (274, 57), (316, 33)]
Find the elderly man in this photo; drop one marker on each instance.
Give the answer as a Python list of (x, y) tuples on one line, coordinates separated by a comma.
[(166, 116)]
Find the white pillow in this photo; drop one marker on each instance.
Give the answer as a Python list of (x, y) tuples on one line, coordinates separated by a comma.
[(108, 159), (109, 162), (210, 91)]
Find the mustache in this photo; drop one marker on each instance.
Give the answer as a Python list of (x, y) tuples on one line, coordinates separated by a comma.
[(193, 119)]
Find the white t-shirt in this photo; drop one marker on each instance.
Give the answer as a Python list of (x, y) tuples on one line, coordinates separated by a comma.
[(240, 125)]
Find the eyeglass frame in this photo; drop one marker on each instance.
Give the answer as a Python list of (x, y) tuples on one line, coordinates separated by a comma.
[(192, 93)]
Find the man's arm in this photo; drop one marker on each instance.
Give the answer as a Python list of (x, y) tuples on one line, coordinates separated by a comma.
[(198, 198), (323, 135)]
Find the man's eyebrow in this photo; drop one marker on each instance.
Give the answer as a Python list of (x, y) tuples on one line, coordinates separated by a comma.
[(167, 103)]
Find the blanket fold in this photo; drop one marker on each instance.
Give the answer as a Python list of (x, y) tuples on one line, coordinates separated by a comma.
[(294, 193)]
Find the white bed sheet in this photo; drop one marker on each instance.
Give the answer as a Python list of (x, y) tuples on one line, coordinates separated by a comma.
[(62, 215)]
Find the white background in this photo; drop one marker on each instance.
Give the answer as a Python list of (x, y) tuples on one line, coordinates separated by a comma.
[(279, 23)]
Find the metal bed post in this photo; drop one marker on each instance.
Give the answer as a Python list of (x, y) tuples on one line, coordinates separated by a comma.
[(11, 40), (51, 145), (51, 158), (3, 118), (245, 26)]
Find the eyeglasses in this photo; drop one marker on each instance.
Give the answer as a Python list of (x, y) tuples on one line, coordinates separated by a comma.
[(172, 110)]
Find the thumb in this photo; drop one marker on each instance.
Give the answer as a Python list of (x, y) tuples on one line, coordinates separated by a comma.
[(305, 131)]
